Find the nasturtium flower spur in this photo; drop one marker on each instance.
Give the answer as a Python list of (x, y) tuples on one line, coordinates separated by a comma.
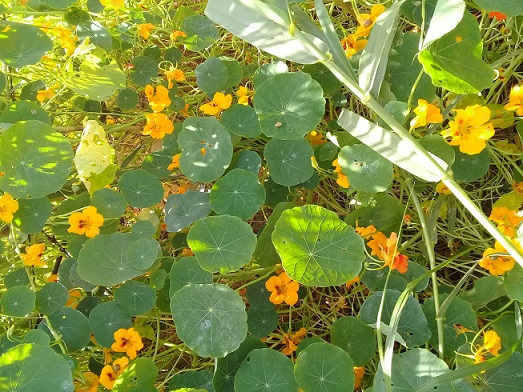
[(87, 222), (243, 95), (283, 289), (158, 125), (496, 260), (159, 99), (491, 344), (291, 341), (33, 255), (470, 129), (425, 113), (144, 30), (110, 373), (127, 341), (8, 206), (515, 100), (351, 45), (174, 74), (219, 103)]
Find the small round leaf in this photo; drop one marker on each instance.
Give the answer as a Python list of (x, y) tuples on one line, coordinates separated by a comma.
[(105, 319), (127, 99), (134, 298), (32, 214), (187, 271), (289, 161), (72, 326), (17, 277), (143, 252), (358, 339), (140, 188), (241, 120), (18, 301), (50, 298), (246, 160), (211, 75), (144, 68), (183, 210), (109, 203)]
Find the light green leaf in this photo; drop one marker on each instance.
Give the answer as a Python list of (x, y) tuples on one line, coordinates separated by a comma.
[(289, 105), (93, 153), (324, 367), (18, 301), (23, 111), (32, 214), (140, 188), (445, 18), (209, 318), (265, 370), (22, 44), (98, 82), (139, 376), (209, 134), (34, 367), (35, 158), (289, 161), (105, 319), (58, 4), (182, 210), (316, 247), (221, 243)]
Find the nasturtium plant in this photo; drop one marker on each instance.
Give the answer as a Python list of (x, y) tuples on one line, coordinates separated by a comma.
[(289, 161), (22, 44), (72, 326), (183, 210)]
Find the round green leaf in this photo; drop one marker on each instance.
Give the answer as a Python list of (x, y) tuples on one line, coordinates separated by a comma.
[(187, 271), (127, 99), (37, 336), (258, 296), (182, 210), (35, 158), (139, 376), (34, 367), (51, 298), (209, 318), (144, 228), (412, 328), (358, 339), (468, 168), (316, 247), (275, 193), (157, 163), (68, 276), (234, 71), (140, 188), (32, 214), (103, 261), (383, 211), (238, 193), (18, 301), (109, 203), (221, 243), (58, 4), (324, 367), (72, 326), (192, 379), (18, 277), (246, 160), (134, 298), (97, 34), (241, 120), (436, 145), (23, 111), (366, 170), (144, 68), (289, 161), (173, 54), (201, 32), (105, 319), (265, 370), (513, 284), (320, 73), (143, 252), (268, 70), (209, 134), (261, 322), (289, 105), (22, 44), (211, 75), (485, 290)]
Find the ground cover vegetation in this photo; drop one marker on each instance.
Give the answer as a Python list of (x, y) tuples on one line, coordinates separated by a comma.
[(261, 195)]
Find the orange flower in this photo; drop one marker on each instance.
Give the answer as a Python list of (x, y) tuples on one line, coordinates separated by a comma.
[(507, 220), (491, 344), (359, 372), (91, 383), (87, 222), (515, 100), (33, 255), (365, 232), (174, 74), (386, 250), (498, 263), (145, 30), (158, 100), (219, 103), (177, 33), (127, 341), (352, 281), (42, 95), (425, 113), (291, 341), (342, 179), (283, 289), (243, 94), (315, 138), (175, 162), (75, 296), (110, 373), (498, 15), (158, 124), (367, 21), (112, 3), (52, 278), (352, 44), (8, 206)]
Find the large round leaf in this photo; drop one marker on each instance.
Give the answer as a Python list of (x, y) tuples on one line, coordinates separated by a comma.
[(241, 120), (316, 247), (18, 301), (366, 170), (206, 149), (22, 44), (140, 188), (23, 111), (265, 370), (222, 243), (35, 158), (289, 161), (187, 271), (183, 210), (238, 193), (32, 214), (324, 367), (289, 105), (209, 318), (134, 298), (72, 326), (105, 319), (103, 261), (211, 75), (34, 367), (50, 298), (358, 339)]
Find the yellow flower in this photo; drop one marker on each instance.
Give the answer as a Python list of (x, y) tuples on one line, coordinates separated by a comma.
[(110, 373), (75, 296), (342, 179), (515, 100), (367, 21), (8, 206), (387, 250), (174, 74), (359, 372), (42, 95), (283, 289), (291, 341), (159, 99), (145, 30), (442, 189), (315, 138), (112, 3), (243, 94), (469, 130), (366, 232), (87, 222), (158, 124), (425, 113), (67, 39), (177, 33), (498, 263), (219, 103), (33, 255), (491, 344), (507, 220), (175, 162), (92, 381), (352, 45), (52, 278), (127, 341)]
